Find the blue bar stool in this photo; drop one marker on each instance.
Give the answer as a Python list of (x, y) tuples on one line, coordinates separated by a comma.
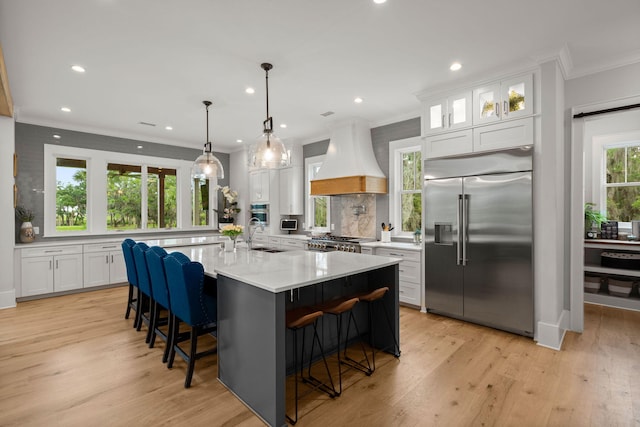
[(191, 305), (132, 278), (144, 285), (155, 262), (297, 319)]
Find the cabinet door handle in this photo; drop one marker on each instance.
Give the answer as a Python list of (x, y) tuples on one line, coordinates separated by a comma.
[(107, 258), (449, 119), (52, 251), (111, 259), (50, 265), (56, 264), (443, 121), (395, 254), (497, 109), (505, 108), (109, 247)]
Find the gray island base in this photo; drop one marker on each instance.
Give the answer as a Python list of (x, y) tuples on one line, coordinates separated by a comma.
[(255, 351)]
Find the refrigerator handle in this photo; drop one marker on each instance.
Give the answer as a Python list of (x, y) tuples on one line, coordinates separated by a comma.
[(465, 225), (459, 225)]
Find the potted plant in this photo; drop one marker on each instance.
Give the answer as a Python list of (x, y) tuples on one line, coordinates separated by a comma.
[(229, 204), (26, 228), (592, 220), (232, 231)]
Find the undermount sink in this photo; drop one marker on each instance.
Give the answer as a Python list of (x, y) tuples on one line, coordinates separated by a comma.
[(270, 250)]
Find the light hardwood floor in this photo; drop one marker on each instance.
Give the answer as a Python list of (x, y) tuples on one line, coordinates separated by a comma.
[(75, 361)]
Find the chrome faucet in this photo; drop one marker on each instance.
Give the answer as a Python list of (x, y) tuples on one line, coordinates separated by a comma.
[(251, 233)]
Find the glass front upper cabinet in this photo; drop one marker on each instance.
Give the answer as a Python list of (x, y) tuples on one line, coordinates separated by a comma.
[(447, 113), (505, 100)]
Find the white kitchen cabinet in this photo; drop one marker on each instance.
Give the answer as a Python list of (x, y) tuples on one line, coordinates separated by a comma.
[(51, 269), (291, 182), (514, 133), (103, 264), (503, 100), (409, 272), (447, 113), (261, 182), (366, 250), (292, 244), (448, 144)]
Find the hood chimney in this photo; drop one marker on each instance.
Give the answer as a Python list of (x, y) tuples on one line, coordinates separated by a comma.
[(350, 166)]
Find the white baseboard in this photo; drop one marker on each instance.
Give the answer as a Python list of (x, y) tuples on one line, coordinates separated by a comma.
[(8, 299), (552, 335)]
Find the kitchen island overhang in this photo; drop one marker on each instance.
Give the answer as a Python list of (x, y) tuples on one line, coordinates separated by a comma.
[(254, 350)]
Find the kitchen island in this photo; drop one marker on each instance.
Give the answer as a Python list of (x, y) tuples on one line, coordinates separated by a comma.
[(255, 289)]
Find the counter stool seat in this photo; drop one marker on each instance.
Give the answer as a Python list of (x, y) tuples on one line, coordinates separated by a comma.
[(338, 308), (370, 298), (301, 318)]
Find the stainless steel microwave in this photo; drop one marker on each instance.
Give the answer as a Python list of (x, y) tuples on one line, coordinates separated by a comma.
[(288, 224)]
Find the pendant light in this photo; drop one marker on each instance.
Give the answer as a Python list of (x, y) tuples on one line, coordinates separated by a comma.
[(269, 151), (207, 165)]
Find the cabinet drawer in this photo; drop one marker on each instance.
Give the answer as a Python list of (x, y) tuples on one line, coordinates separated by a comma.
[(292, 244), (399, 253), (409, 293), (101, 247), (52, 250), (275, 241), (448, 144), (409, 271), (514, 133)]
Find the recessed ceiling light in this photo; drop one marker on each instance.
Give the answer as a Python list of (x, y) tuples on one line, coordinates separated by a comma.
[(379, 1), (78, 68), (139, 147), (65, 109), (56, 136), (358, 100), (283, 125), (238, 140), (250, 90), (168, 128), (455, 66)]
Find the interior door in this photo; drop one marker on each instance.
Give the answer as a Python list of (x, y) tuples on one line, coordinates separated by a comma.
[(498, 277), (443, 274)]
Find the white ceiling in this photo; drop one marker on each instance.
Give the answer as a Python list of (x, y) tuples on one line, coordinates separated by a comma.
[(156, 60)]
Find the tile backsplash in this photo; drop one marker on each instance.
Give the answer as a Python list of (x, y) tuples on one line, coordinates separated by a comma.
[(357, 215)]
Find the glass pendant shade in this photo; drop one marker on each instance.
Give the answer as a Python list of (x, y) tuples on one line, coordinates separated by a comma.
[(269, 152), (207, 166)]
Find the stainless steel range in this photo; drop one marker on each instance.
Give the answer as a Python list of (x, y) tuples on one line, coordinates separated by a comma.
[(330, 243)]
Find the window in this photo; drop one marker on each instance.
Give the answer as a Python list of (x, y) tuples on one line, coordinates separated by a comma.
[(97, 192), (318, 207), (622, 182), (405, 197), (124, 197), (71, 194)]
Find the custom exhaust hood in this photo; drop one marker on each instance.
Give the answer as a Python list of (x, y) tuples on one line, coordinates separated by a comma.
[(350, 166)]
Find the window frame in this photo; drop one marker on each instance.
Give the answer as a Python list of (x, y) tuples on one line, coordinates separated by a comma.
[(309, 163), (97, 161), (396, 150)]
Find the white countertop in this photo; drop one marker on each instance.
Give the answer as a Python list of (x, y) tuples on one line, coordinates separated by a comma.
[(283, 271), (186, 241), (393, 245)]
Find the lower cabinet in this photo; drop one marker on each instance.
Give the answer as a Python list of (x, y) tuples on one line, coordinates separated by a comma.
[(410, 274), (51, 269), (103, 265), (288, 244)]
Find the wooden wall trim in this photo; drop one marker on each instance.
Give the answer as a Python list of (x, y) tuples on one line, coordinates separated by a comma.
[(6, 102), (349, 185)]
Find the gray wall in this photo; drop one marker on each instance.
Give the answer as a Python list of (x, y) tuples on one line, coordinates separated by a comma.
[(30, 141), (380, 137)]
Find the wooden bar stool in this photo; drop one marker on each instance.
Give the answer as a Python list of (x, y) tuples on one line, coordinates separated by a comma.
[(370, 298), (298, 319), (338, 308)]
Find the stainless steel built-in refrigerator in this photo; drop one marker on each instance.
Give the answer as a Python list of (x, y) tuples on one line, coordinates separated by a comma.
[(479, 238)]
